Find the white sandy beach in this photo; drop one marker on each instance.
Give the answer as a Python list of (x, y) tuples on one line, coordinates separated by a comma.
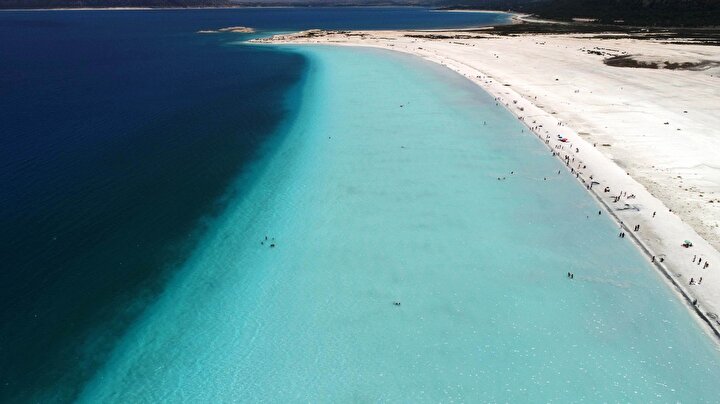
[(648, 133)]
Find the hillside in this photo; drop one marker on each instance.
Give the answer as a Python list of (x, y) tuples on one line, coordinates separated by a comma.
[(637, 12), (627, 12)]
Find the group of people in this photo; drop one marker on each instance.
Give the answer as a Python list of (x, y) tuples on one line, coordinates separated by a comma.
[(692, 281), (699, 261), (568, 160), (272, 242)]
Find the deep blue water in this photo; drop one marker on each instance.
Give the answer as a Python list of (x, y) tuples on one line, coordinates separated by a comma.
[(120, 135)]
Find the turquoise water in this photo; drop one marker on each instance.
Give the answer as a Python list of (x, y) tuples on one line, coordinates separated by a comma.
[(122, 133), (385, 188)]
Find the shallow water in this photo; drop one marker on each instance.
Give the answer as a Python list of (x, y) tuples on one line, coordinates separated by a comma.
[(385, 189), (124, 134)]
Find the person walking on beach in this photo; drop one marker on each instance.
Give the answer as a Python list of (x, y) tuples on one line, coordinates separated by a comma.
[(700, 280), (692, 281)]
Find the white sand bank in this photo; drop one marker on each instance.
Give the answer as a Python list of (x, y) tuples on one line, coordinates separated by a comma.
[(651, 133)]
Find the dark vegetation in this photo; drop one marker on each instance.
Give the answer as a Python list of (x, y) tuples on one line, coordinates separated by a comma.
[(630, 61), (680, 35), (624, 12), (635, 12)]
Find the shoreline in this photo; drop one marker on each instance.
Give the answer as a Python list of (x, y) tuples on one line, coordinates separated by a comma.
[(514, 16), (659, 239), (372, 232)]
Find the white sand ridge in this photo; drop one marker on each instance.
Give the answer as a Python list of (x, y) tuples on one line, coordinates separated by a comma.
[(237, 30)]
